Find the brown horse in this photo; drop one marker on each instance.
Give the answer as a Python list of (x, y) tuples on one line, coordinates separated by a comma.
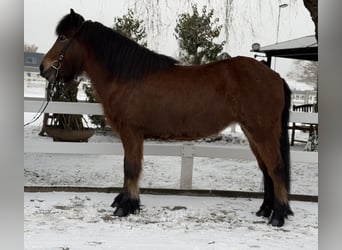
[(148, 95)]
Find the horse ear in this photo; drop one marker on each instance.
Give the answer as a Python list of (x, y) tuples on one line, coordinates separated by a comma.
[(72, 12)]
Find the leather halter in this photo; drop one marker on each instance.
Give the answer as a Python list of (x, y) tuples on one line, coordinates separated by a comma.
[(57, 64)]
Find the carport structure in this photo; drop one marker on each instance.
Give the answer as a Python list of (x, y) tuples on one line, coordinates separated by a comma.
[(303, 48)]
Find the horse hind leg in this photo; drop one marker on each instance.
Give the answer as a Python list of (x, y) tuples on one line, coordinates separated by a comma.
[(276, 169), (266, 208), (128, 201), (276, 177)]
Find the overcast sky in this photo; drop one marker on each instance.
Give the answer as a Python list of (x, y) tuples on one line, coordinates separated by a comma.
[(42, 16)]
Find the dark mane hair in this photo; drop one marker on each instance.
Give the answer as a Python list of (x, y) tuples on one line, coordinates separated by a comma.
[(69, 24), (126, 59)]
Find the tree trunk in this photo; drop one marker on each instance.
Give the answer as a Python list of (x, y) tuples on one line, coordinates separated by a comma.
[(312, 6)]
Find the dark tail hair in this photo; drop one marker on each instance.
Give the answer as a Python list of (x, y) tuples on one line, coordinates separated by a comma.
[(284, 138)]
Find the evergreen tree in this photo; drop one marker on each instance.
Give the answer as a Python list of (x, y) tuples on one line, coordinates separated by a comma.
[(131, 27), (195, 34), (98, 120)]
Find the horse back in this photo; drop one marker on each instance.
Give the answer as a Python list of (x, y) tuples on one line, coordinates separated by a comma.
[(197, 101)]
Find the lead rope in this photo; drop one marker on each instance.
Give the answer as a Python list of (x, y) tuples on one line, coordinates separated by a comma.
[(38, 114), (56, 65), (50, 91)]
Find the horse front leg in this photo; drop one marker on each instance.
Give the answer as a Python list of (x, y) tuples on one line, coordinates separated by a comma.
[(128, 201)]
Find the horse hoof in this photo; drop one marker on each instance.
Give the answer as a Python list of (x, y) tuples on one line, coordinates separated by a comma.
[(125, 206), (117, 200), (120, 212), (277, 222), (264, 212)]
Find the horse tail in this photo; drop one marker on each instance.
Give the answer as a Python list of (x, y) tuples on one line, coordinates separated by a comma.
[(284, 138)]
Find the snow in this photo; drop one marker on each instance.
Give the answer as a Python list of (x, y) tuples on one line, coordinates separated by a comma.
[(85, 221), (59, 220)]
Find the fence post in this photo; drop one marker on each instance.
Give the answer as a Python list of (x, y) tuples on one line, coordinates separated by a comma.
[(233, 127), (187, 165)]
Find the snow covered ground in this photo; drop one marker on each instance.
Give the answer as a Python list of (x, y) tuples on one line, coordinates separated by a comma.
[(85, 221)]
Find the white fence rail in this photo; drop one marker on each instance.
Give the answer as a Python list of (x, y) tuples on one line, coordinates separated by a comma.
[(187, 150), (33, 105)]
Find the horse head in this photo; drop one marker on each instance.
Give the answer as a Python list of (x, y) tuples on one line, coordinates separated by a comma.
[(64, 60)]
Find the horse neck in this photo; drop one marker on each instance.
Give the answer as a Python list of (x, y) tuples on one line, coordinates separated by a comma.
[(102, 80)]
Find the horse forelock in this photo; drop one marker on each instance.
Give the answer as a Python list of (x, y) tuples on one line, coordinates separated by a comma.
[(125, 59), (69, 23)]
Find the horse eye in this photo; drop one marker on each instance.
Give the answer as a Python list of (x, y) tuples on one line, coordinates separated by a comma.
[(62, 38)]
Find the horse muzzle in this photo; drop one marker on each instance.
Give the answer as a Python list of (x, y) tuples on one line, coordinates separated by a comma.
[(49, 74)]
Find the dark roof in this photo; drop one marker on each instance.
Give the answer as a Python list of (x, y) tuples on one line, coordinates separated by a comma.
[(32, 59), (305, 48)]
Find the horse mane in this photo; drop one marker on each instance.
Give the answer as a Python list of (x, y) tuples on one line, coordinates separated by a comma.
[(123, 57), (69, 24)]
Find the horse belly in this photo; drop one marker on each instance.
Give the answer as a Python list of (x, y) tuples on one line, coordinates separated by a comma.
[(183, 104), (188, 121)]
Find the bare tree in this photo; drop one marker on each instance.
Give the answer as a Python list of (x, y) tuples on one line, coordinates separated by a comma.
[(312, 7), (30, 47), (305, 71)]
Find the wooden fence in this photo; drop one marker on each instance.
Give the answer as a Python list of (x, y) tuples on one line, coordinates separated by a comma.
[(187, 150)]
